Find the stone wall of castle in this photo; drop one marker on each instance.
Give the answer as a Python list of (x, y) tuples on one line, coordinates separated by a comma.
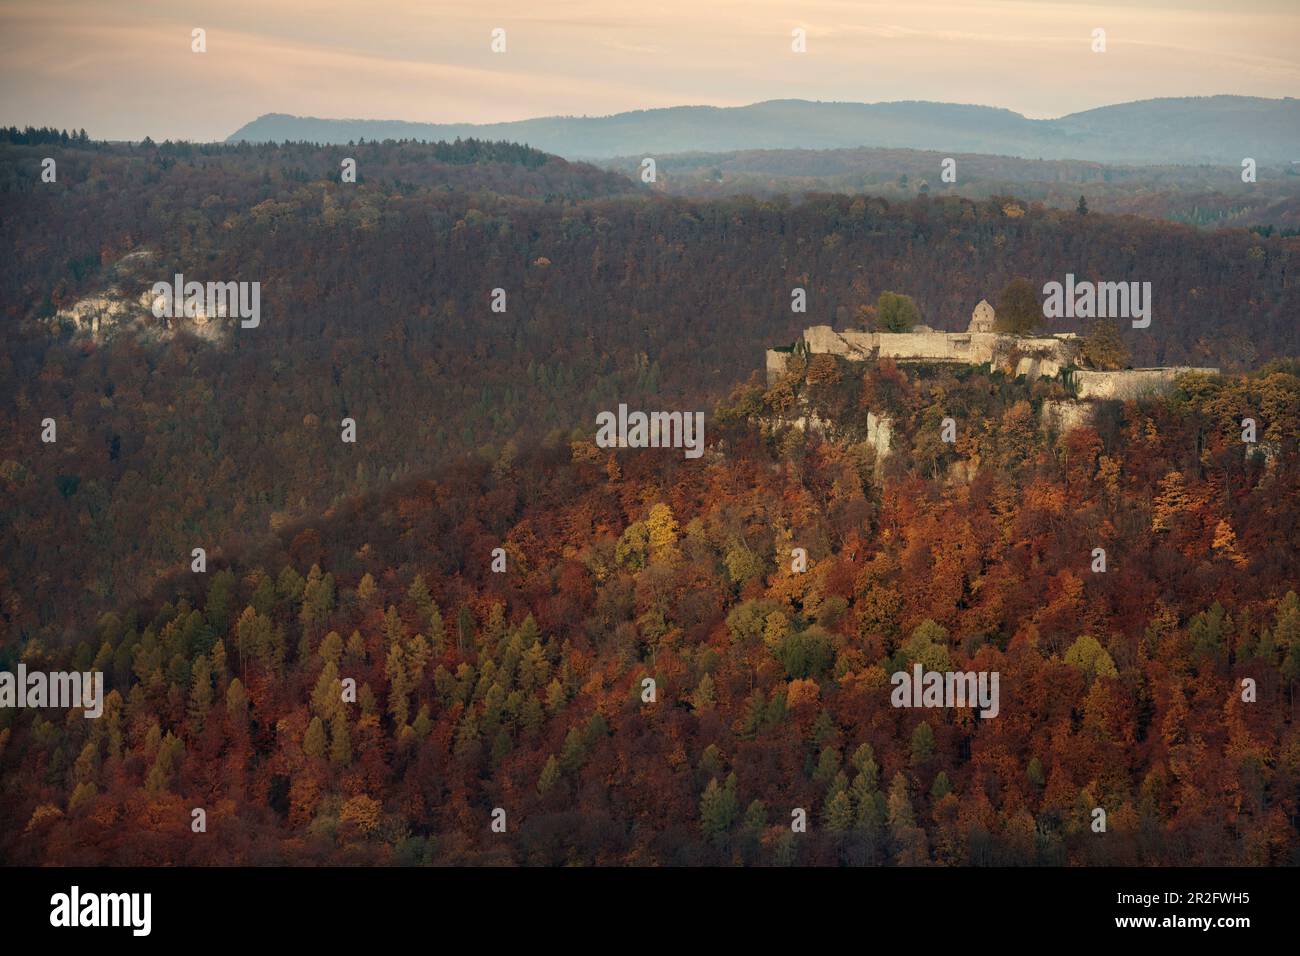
[(1041, 356), (974, 348), (1130, 384), (776, 365), (822, 339)]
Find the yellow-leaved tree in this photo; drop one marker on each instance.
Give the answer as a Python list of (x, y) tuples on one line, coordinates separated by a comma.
[(662, 527)]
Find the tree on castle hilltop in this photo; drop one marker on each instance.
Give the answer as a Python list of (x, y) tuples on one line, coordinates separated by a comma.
[(1019, 311), (1103, 348), (896, 313)]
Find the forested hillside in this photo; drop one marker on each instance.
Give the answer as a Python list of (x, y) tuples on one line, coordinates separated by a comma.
[(376, 303), (524, 690)]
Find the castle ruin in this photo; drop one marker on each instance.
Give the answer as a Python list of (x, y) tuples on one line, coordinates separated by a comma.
[(1034, 356), (1043, 356)]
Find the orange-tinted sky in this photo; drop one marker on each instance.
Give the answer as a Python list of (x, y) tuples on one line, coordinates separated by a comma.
[(123, 69)]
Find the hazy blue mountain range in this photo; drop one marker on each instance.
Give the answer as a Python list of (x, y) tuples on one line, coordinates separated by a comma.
[(1210, 129)]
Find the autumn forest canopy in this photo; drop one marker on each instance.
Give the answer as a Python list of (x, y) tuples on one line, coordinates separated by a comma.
[(369, 565)]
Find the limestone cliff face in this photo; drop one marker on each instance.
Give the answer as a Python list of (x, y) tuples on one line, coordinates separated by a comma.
[(98, 316), (111, 312), (880, 431), (1034, 367), (1062, 417), (813, 424), (880, 436)]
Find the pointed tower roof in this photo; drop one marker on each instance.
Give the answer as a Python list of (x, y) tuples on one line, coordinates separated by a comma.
[(981, 320)]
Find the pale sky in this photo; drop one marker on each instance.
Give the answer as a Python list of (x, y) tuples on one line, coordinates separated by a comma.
[(123, 69)]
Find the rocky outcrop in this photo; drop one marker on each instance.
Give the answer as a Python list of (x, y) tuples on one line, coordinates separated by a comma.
[(1032, 366), (98, 316), (1061, 417), (880, 435), (110, 312)]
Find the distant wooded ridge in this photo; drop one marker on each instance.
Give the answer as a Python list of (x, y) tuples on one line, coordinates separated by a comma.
[(1207, 195), (1211, 129)]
